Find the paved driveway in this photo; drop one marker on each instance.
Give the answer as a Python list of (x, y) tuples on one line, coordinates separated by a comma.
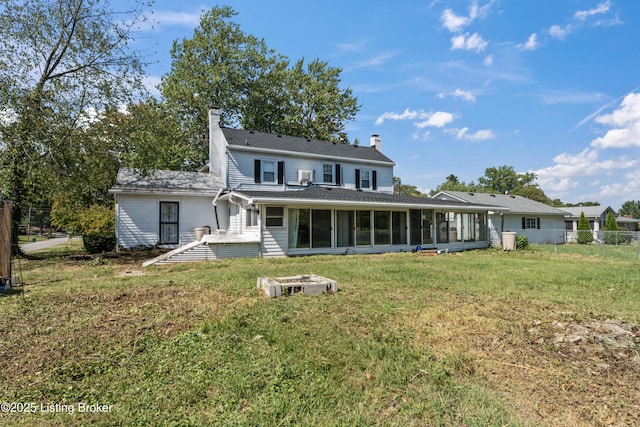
[(45, 244)]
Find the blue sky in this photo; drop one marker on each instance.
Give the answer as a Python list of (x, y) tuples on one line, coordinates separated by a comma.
[(455, 87)]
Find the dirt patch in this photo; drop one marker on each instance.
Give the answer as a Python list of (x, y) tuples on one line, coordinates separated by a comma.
[(130, 272), (599, 369), (560, 370)]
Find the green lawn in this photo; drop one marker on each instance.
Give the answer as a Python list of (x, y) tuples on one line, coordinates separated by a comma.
[(409, 339)]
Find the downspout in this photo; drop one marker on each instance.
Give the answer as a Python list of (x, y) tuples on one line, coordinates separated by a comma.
[(215, 206)]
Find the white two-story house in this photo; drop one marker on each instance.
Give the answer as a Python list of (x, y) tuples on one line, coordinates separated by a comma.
[(274, 195)]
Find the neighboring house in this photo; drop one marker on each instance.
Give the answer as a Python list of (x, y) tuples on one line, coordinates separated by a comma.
[(539, 222), (597, 216), (627, 223), (275, 195)]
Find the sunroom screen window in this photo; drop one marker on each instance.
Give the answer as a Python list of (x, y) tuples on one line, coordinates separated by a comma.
[(320, 228), (382, 225), (345, 228), (299, 228), (363, 228), (309, 228), (399, 228)]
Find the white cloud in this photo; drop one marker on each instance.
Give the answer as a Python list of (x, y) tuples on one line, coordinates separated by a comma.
[(480, 135), (581, 18), (355, 46), (421, 136), (458, 93), (602, 8), (469, 42), (438, 119), (558, 32), (488, 60), (558, 97), (375, 61), (531, 44), (454, 23), (405, 115), (585, 163), (625, 122)]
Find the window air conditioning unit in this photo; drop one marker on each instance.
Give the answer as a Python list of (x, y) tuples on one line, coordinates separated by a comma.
[(305, 176)]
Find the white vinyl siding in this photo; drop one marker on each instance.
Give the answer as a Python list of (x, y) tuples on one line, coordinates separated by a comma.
[(138, 219), (241, 167)]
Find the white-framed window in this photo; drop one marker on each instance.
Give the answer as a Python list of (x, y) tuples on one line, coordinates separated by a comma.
[(365, 178), (530, 223), (327, 172), (268, 171), (274, 216)]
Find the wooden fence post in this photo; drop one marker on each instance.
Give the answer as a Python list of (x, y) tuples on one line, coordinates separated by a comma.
[(5, 239)]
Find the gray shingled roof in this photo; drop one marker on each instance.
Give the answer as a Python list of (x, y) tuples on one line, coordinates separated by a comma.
[(589, 211), (328, 194), (161, 181), (515, 204), (337, 151)]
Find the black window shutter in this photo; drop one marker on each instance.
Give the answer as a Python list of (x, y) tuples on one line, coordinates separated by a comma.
[(523, 223), (256, 171), (338, 175), (357, 178), (538, 221), (280, 172), (374, 180)]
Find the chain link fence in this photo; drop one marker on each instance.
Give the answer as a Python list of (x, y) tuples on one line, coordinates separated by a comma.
[(621, 244)]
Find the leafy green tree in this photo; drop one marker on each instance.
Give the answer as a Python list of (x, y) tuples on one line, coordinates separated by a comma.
[(453, 183), (406, 190), (533, 192), (144, 137), (501, 180), (315, 105), (585, 235), (630, 207), (582, 204), (505, 180), (255, 88), (60, 59), (219, 66), (611, 236)]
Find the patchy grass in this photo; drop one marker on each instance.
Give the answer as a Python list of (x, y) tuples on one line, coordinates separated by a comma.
[(409, 339)]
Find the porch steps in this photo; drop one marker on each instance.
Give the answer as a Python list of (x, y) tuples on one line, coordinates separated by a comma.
[(171, 254)]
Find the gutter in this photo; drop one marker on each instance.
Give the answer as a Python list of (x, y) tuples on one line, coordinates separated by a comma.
[(215, 206)]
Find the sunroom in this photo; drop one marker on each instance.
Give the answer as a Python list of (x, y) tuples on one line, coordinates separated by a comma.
[(322, 220)]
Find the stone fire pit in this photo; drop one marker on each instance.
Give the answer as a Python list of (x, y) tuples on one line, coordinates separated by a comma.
[(306, 284)]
